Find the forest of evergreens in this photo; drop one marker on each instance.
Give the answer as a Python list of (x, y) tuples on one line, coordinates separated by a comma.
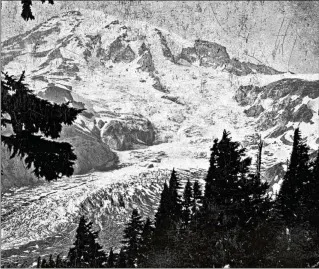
[(231, 221)]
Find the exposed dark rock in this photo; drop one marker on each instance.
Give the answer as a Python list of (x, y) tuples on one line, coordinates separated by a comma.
[(211, 53), (285, 96), (100, 124), (188, 54), (42, 78), (285, 141), (247, 95), (303, 114), (158, 86), (126, 56), (173, 99), (165, 48), (267, 120), (119, 52), (280, 130), (123, 134), (142, 49), (254, 111), (146, 61)]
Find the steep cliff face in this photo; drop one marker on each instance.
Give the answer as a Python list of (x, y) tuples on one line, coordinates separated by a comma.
[(92, 154), (211, 54), (128, 132)]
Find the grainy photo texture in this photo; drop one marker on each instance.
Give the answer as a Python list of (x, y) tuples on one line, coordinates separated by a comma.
[(159, 134)]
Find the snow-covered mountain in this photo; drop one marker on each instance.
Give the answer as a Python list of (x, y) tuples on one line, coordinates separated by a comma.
[(153, 101)]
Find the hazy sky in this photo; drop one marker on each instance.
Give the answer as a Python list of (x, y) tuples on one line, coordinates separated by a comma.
[(284, 35)]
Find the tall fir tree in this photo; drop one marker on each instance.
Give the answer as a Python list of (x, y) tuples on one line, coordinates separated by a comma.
[(174, 198), (187, 204), (121, 259), (51, 263), (32, 119), (310, 197), (26, 9), (145, 243), (162, 213), (86, 251), (39, 262), (132, 236), (295, 181), (235, 202), (197, 198), (111, 259)]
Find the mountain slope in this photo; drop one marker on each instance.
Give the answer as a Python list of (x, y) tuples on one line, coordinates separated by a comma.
[(153, 101)]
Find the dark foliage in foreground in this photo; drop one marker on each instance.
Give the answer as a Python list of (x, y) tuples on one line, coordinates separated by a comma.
[(234, 223), (33, 120)]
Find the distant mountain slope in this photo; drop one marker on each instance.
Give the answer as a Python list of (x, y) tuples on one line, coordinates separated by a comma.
[(153, 101)]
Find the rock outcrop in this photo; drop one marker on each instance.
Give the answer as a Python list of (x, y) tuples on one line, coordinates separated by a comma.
[(280, 102), (125, 133), (211, 54), (119, 52), (92, 153)]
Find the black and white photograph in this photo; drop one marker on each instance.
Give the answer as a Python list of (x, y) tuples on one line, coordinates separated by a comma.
[(159, 134)]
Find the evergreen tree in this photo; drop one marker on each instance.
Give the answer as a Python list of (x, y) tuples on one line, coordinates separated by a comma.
[(235, 203), (59, 262), (197, 197), (162, 214), (145, 242), (295, 182), (39, 262), (26, 9), (51, 263), (310, 197), (121, 260), (86, 251), (110, 259), (44, 263), (132, 235), (187, 203), (174, 198), (29, 115)]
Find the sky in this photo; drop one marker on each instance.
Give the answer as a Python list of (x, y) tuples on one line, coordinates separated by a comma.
[(281, 34)]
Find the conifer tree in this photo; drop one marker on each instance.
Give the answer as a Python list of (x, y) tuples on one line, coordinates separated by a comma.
[(162, 214), (132, 235), (29, 115), (121, 259), (86, 251), (295, 181), (187, 203), (197, 197), (26, 9), (59, 262), (235, 203), (145, 243), (44, 263), (310, 197), (39, 262), (174, 198), (51, 263), (110, 259)]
